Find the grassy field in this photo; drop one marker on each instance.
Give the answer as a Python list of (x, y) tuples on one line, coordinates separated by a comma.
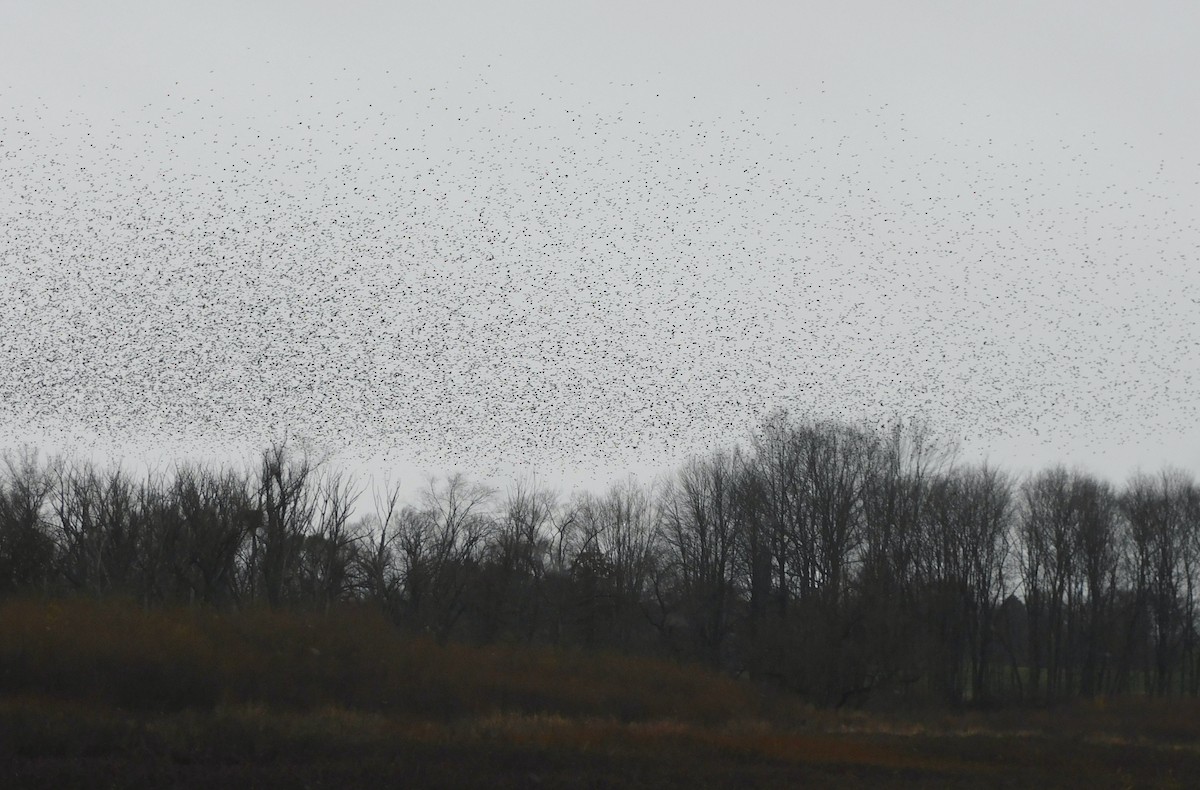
[(107, 695)]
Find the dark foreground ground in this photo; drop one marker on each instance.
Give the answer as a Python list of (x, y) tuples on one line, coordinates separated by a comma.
[(56, 746), (106, 695)]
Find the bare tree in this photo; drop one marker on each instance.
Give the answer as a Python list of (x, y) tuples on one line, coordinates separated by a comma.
[(379, 571), (1156, 510), (701, 530), (441, 544), (26, 547), (206, 519), (782, 504), (810, 481), (99, 527), (892, 582), (286, 500), (327, 560), (512, 595), (1098, 549), (611, 550), (968, 517), (1189, 503), (1046, 536)]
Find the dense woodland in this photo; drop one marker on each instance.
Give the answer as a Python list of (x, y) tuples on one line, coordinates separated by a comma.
[(848, 563)]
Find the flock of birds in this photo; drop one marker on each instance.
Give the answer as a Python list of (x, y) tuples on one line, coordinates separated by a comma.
[(469, 281)]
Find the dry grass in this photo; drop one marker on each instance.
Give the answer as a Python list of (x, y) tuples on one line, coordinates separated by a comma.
[(119, 655), (196, 698)]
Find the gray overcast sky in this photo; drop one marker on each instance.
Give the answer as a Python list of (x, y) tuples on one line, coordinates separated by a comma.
[(591, 237)]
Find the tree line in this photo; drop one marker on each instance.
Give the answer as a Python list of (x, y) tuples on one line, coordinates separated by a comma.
[(847, 563)]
